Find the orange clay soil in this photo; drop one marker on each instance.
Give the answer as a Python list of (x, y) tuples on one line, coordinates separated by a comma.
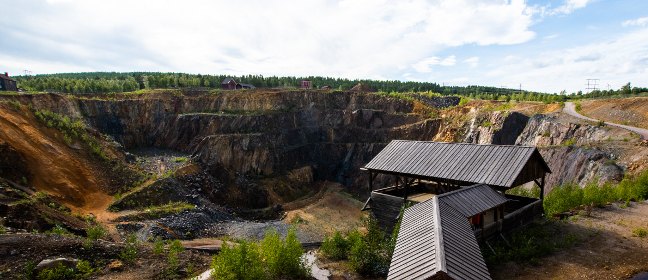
[(56, 168)]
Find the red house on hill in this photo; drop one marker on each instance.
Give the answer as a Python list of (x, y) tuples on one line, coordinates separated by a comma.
[(306, 84), (7, 83)]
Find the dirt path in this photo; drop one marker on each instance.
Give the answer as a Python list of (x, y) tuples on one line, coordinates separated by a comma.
[(570, 109), (611, 252)]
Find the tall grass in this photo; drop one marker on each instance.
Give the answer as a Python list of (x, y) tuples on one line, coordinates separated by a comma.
[(569, 196)]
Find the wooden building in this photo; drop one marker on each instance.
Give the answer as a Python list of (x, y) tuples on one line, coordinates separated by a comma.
[(457, 193), (231, 84), (421, 169), (306, 84), (7, 83)]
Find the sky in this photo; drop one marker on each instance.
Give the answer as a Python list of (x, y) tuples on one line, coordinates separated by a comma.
[(546, 46)]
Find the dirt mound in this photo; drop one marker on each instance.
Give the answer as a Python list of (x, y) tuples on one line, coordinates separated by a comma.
[(54, 167), (627, 111)]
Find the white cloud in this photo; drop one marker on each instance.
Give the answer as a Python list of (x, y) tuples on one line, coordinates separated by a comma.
[(569, 6), (425, 65), (642, 21), (347, 38), (616, 61), (472, 61)]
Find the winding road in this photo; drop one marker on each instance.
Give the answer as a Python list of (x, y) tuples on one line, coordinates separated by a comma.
[(570, 109)]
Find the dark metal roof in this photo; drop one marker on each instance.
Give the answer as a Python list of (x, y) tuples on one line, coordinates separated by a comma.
[(473, 200), (463, 257), (5, 77), (434, 238), (227, 80), (496, 165)]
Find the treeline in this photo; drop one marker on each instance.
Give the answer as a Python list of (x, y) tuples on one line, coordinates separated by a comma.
[(625, 90), (113, 82)]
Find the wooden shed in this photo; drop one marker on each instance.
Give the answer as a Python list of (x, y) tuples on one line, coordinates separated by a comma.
[(7, 83), (421, 170)]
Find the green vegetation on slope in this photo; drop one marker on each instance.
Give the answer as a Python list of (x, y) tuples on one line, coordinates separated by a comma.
[(569, 196)]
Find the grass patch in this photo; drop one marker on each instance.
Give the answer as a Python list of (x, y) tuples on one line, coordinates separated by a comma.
[(83, 270), (129, 252), (569, 142)]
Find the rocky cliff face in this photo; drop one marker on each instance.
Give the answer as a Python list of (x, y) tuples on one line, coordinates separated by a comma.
[(543, 130), (501, 128), (257, 134)]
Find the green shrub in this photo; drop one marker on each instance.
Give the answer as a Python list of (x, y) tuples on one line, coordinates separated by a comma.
[(158, 246), (83, 270), (271, 258), (597, 196), (238, 262), (173, 264), (129, 252), (96, 232), (563, 198), (58, 230), (335, 247), (370, 254), (640, 232)]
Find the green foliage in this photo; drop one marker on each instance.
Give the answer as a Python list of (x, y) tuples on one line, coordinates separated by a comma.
[(563, 198), (597, 196), (569, 142), (158, 246), (238, 262), (96, 232), (71, 129), (29, 270), (370, 255), (487, 124), (534, 192), (529, 243), (58, 230), (129, 252), (173, 264), (181, 159), (569, 196), (463, 100), (336, 246), (83, 270), (579, 107), (134, 82), (640, 232), (271, 258), (3, 230)]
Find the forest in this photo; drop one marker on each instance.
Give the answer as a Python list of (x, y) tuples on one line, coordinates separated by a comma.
[(116, 82)]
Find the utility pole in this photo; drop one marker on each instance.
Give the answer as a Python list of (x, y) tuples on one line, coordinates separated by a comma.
[(592, 84)]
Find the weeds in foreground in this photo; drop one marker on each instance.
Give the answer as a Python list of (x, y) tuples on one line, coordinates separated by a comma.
[(271, 258)]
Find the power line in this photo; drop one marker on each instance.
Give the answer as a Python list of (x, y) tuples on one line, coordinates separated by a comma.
[(592, 84)]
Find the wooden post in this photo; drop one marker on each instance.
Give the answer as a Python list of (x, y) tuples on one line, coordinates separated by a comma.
[(542, 185), (371, 181)]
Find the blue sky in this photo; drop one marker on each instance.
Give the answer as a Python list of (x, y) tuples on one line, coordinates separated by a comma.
[(541, 45)]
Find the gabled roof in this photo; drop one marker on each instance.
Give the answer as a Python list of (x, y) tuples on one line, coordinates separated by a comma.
[(4, 77), (227, 80), (495, 165), (473, 200), (435, 240)]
